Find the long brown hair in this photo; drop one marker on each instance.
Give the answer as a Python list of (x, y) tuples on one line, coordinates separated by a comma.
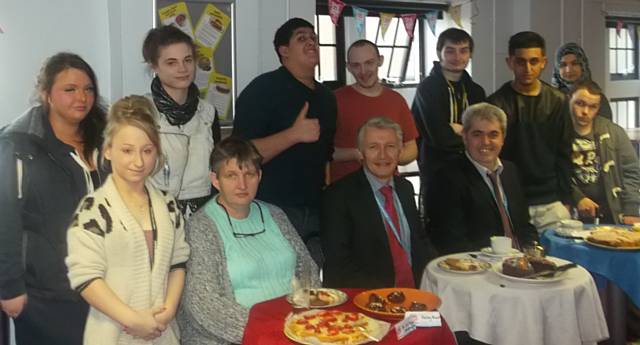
[(92, 125)]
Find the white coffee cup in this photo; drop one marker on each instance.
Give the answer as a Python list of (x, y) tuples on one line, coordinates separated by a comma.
[(500, 244)]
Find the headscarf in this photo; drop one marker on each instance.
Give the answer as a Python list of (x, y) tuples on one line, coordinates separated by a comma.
[(581, 57)]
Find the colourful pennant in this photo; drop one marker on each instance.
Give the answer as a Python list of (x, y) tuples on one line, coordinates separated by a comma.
[(455, 13), (432, 17), (385, 20), (335, 9), (619, 25), (359, 16), (409, 21)]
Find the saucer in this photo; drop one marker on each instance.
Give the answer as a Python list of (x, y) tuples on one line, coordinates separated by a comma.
[(489, 252)]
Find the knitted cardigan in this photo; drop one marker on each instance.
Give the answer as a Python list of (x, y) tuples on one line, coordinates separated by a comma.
[(209, 313), (105, 241)]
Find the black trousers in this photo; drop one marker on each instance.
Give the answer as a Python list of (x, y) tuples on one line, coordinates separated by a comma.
[(306, 220), (51, 322)]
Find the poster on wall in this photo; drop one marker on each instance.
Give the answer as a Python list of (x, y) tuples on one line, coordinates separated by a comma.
[(211, 27), (219, 94), (212, 36), (177, 15)]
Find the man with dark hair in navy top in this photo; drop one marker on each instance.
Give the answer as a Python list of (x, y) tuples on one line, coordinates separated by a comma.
[(291, 118)]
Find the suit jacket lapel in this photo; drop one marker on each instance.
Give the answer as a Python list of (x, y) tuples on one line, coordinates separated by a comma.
[(368, 206), (478, 184)]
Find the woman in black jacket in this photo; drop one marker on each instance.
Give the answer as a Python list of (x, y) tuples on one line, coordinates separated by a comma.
[(49, 162)]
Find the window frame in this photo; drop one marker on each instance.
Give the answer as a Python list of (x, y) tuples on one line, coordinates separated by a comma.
[(613, 102), (397, 8), (611, 23)]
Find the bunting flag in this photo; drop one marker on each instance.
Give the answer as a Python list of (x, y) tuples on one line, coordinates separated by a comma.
[(335, 9), (409, 21), (360, 16), (432, 17), (619, 25), (455, 13), (385, 20)]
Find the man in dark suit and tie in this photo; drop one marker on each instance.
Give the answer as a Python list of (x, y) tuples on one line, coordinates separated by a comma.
[(478, 195), (371, 233)]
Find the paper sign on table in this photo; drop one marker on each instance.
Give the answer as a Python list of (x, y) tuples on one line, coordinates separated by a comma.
[(211, 27), (405, 326), (425, 318), (177, 15)]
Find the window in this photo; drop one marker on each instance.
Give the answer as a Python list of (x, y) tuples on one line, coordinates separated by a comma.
[(327, 68), (404, 58), (625, 112), (623, 52), (401, 57)]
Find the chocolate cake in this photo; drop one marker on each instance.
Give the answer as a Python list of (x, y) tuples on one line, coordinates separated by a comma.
[(517, 267), (396, 297), (417, 306)]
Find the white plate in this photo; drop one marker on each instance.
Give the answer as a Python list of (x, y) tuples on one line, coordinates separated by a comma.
[(497, 268), (340, 297), (489, 252), (482, 266), (376, 328), (563, 232)]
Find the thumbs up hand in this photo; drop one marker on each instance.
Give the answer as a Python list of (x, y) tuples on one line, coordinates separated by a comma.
[(304, 129)]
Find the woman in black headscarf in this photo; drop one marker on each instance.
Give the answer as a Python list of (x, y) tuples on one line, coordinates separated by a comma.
[(572, 66)]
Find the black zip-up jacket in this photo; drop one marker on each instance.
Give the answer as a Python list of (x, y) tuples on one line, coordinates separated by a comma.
[(40, 187), (538, 141), (431, 112)]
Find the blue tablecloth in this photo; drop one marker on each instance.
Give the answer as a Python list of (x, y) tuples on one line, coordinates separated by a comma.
[(620, 267)]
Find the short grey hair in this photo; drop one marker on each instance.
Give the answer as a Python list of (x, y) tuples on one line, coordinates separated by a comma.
[(484, 111), (380, 122)]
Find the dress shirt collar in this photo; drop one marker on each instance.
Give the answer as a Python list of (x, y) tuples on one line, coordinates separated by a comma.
[(375, 183), (482, 169)]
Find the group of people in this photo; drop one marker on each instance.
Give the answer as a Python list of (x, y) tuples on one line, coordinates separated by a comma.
[(112, 235)]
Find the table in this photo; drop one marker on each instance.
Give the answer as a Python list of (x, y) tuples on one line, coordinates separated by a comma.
[(620, 268), (498, 311), (266, 321)]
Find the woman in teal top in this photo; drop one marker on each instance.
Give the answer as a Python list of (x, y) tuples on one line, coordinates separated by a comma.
[(243, 251)]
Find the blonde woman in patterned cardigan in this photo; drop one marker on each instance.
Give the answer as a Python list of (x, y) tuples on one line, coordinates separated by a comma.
[(127, 250)]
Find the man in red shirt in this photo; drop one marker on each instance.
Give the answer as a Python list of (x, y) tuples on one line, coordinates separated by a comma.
[(363, 100)]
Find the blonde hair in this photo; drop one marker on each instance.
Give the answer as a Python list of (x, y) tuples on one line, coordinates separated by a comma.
[(136, 111)]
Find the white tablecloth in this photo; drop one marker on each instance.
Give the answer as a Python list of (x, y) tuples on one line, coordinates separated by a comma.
[(498, 311)]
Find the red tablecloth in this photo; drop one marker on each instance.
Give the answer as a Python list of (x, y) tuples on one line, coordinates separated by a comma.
[(266, 322)]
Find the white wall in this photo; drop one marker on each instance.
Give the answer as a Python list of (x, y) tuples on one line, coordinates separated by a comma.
[(34, 30), (559, 22), (109, 35)]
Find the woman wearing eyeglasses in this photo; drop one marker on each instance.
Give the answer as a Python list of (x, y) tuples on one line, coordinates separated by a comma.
[(243, 251)]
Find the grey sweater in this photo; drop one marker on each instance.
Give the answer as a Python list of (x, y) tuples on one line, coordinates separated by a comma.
[(209, 313)]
